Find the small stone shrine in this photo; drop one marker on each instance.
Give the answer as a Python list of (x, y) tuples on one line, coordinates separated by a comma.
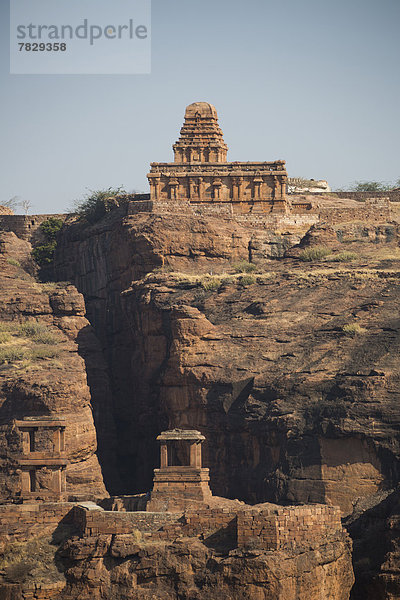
[(178, 486)]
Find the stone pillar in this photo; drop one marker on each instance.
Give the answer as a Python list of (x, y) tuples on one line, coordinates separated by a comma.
[(57, 482), (57, 440), (217, 189), (283, 187), (240, 188), (173, 185), (201, 188), (193, 455), (235, 189), (275, 187), (163, 456), (190, 155), (25, 442), (198, 456), (25, 482), (257, 187)]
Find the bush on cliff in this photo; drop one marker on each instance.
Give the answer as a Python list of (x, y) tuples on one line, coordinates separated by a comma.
[(96, 204), (44, 253)]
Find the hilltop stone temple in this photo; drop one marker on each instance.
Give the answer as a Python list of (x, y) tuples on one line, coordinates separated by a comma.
[(200, 172)]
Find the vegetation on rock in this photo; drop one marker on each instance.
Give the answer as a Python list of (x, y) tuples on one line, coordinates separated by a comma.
[(96, 204), (44, 253), (315, 253)]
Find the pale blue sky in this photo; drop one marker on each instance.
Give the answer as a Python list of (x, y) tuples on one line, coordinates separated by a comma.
[(313, 82)]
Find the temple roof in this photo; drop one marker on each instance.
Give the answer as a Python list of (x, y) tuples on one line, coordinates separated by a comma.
[(180, 434), (204, 109)]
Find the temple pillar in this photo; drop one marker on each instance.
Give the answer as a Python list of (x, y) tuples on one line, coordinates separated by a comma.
[(163, 456), (57, 440), (198, 456), (275, 187), (193, 455), (201, 188), (235, 189), (217, 184), (240, 188), (173, 191)]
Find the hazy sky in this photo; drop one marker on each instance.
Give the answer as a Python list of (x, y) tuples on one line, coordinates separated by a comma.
[(313, 82)]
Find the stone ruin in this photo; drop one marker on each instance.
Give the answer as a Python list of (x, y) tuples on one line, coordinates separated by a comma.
[(200, 172), (175, 487), (35, 463), (181, 505)]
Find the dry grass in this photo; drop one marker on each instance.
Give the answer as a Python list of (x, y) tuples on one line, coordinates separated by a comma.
[(353, 329), (28, 341), (246, 280), (315, 253), (345, 256), (244, 266), (210, 283)]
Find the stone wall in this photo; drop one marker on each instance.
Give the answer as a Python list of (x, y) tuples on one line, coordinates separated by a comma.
[(375, 211), (20, 521), (26, 227), (290, 527), (393, 195), (101, 522), (270, 529)]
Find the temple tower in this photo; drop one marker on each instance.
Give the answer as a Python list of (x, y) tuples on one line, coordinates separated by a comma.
[(201, 175), (201, 138)]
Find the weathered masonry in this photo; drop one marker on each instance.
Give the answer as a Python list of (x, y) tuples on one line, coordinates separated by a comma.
[(200, 172), (176, 486), (40, 458)]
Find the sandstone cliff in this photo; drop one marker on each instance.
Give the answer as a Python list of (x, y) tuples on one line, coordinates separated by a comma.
[(290, 372), (41, 371)]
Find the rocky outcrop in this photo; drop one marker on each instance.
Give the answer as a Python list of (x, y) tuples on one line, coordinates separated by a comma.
[(42, 372), (123, 566), (291, 372)]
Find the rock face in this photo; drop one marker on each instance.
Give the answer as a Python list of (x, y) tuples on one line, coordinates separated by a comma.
[(153, 555), (189, 569), (42, 373), (294, 406), (292, 374)]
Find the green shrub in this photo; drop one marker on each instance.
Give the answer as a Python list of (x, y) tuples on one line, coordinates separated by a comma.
[(44, 253), (12, 261), (315, 253), (247, 280), (345, 256), (51, 227), (244, 267), (353, 329), (210, 283), (97, 204)]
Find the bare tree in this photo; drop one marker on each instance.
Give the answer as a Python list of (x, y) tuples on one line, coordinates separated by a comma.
[(26, 206), (12, 203)]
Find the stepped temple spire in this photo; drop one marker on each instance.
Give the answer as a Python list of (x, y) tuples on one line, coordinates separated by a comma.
[(201, 138)]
